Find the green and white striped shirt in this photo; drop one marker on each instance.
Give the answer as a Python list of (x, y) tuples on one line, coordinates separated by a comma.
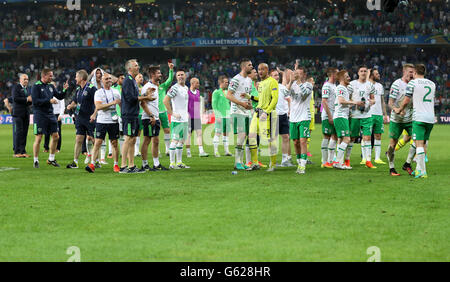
[(398, 92)]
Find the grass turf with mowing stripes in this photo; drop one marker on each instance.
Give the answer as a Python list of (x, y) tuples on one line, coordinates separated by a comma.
[(207, 214)]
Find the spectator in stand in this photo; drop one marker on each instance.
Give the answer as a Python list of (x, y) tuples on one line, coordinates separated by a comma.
[(237, 19)]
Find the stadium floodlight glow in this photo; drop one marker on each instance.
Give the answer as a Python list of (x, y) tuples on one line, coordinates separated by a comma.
[(122, 9)]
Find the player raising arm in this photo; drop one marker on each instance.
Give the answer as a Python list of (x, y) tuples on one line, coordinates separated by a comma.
[(151, 121), (300, 115), (176, 102)]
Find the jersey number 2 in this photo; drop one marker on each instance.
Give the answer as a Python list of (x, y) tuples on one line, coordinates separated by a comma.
[(428, 93)]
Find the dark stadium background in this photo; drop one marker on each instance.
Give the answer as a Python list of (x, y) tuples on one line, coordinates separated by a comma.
[(293, 18)]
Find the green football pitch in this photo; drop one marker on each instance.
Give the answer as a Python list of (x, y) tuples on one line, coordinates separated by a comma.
[(208, 214)]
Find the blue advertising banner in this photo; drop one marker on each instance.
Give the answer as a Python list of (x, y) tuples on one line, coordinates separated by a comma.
[(8, 119), (217, 42), (444, 119)]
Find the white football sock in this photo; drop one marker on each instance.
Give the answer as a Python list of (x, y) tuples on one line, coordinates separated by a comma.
[(324, 149), (391, 156), (248, 154), (412, 152), (216, 144), (89, 146), (156, 162), (121, 140), (179, 152), (331, 150), (103, 150), (368, 151), (225, 144), (303, 163), (377, 147), (237, 159), (363, 149), (348, 152), (172, 151), (167, 141), (341, 152), (137, 145), (109, 147), (421, 160)]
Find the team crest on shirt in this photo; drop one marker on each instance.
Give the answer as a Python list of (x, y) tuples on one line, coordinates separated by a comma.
[(85, 93), (51, 90)]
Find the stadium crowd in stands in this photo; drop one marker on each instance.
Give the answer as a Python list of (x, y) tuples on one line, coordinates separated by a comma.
[(219, 19)]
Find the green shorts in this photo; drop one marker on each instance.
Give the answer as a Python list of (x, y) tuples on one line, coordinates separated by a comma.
[(164, 118), (327, 128), (421, 130), (342, 127), (241, 123), (222, 125), (179, 130), (377, 124), (356, 124), (395, 129), (299, 130)]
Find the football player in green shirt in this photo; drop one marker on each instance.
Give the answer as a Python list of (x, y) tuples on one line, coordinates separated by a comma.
[(221, 108), (163, 117)]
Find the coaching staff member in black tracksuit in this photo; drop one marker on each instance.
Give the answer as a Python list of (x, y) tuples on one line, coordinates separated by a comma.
[(44, 120), (83, 103), (130, 100)]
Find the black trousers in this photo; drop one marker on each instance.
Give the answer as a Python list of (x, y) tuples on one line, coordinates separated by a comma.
[(47, 137), (20, 131), (14, 135)]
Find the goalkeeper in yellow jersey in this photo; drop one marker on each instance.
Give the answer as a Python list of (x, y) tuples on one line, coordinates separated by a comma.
[(265, 118)]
